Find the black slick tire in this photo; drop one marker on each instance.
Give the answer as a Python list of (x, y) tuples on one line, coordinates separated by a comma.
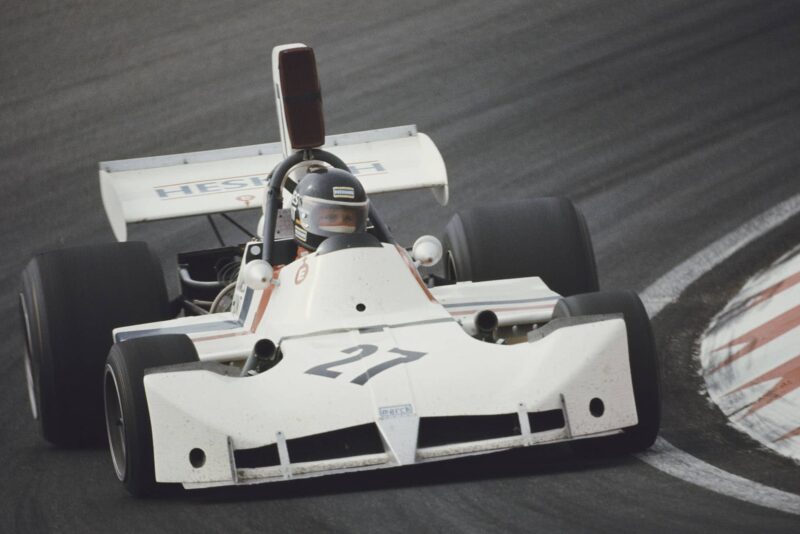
[(126, 412), (70, 301)]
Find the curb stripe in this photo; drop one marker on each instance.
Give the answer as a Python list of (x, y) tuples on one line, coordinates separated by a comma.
[(789, 375), (668, 458), (668, 288), (759, 336)]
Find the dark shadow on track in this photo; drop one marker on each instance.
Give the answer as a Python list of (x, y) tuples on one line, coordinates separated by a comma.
[(544, 459), (691, 421)]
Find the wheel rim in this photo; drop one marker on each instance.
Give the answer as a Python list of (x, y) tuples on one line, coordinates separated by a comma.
[(31, 387), (28, 362), (115, 424), (450, 267)]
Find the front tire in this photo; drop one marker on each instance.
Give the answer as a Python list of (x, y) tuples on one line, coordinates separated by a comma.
[(71, 300), (643, 360), (127, 416)]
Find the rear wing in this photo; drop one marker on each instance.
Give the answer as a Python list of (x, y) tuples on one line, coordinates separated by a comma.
[(231, 179)]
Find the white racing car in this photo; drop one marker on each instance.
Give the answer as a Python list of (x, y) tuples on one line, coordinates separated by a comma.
[(317, 347)]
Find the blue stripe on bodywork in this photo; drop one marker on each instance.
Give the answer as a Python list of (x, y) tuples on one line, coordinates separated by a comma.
[(182, 329), (193, 328), (248, 296)]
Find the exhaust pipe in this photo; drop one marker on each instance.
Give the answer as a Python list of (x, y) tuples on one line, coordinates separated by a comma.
[(265, 356)]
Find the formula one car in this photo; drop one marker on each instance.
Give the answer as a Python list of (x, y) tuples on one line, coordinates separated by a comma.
[(285, 359)]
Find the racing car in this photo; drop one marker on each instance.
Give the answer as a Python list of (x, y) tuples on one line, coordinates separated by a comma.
[(316, 347)]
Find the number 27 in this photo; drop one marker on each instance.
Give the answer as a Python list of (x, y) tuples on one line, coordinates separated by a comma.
[(363, 351)]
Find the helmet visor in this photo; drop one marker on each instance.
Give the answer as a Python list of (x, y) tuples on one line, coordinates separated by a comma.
[(329, 217)]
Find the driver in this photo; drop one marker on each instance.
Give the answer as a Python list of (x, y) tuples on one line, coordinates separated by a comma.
[(328, 202)]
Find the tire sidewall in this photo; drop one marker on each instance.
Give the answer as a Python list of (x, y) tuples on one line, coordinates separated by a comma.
[(139, 472), (74, 297), (44, 368), (128, 362)]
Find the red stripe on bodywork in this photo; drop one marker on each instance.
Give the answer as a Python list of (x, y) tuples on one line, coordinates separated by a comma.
[(501, 310), (220, 336), (415, 273), (262, 307), (265, 296), (760, 336)]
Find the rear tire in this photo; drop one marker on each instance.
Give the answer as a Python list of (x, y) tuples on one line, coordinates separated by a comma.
[(127, 416), (70, 302), (643, 360), (544, 237)]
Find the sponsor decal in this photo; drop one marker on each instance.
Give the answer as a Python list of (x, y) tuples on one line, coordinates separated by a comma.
[(344, 192), (399, 410), (366, 168), (301, 274), (247, 199), (209, 187), (244, 183)]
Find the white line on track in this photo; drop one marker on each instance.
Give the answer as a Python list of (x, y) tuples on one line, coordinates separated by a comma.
[(667, 289), (673, 461)]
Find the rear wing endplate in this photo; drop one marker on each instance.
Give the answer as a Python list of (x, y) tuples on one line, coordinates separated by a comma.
[(231, 179)]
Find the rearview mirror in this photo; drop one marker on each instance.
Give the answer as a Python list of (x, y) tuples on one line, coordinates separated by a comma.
[(257, 274), (427, 251)]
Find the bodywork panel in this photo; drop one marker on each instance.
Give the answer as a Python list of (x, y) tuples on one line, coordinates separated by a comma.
[(319, 387), (366, 346)]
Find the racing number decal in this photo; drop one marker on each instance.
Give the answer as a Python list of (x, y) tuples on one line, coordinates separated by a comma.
[(406, 356), (301, 274), (325, 368)]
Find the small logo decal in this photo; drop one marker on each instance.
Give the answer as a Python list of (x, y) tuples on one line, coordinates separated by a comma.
[(247, 199), (399, 410), (302, 273), (344, 192)]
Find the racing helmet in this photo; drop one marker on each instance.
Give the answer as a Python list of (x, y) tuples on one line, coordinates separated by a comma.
[(328, 202)]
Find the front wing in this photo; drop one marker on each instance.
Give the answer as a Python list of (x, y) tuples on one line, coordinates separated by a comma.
[(383, 397)]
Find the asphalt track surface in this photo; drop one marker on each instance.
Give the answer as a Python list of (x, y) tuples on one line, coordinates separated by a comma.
[(669, 123)]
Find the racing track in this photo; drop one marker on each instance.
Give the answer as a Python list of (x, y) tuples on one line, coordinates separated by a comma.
[(669, 123)]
